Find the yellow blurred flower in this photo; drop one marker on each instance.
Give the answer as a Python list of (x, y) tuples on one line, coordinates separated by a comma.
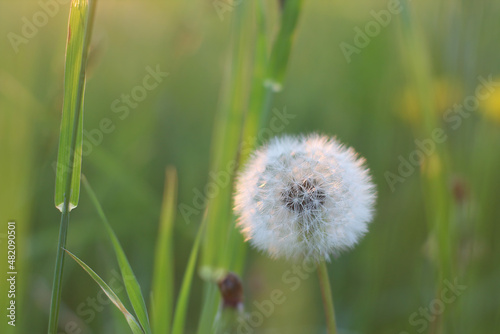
[(431, 165), (490, 107), (445, 93)]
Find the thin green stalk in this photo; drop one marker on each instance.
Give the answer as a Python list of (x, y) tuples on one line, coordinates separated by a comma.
[(162, 290), (181, 306), (56, 284), (266, 106), (233, 126), (326, 293), (209, 309), (282, 47), (227, 136), (279, 58), (63, 232), (260, 65), (68, 189), (226, 141)]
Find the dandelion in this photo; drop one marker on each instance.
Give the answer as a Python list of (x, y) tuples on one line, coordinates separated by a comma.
[(306, 196)]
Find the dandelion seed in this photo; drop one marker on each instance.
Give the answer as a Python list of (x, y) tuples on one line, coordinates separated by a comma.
[(306, 196)]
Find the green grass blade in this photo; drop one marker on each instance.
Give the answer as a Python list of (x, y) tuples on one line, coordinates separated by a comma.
[(260, 67), (280, 54), (282, 46), (228, 128), (69, 161), (130, 281), (136, 329), (69, 158), (227, 134), (227, 137), (162, 291), (210, 306), (183, 299)]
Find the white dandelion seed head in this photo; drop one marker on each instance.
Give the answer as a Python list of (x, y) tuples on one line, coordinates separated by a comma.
[(304, 197)]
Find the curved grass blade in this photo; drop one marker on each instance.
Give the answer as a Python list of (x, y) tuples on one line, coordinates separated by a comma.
[(134, 326), (183, 299), (130, 281), (162, 291)]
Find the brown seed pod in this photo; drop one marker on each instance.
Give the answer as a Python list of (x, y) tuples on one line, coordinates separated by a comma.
[(231, 290)]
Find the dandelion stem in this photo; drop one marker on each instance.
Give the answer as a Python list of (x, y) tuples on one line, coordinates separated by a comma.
[(326, 293)]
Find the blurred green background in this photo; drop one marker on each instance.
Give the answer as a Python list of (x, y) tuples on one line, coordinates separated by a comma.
[(368, 103)]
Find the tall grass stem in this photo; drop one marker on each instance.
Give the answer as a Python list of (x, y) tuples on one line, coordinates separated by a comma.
[(63, 230), (56, 283)]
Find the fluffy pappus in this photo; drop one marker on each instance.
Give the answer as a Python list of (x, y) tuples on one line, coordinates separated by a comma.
[(304, 197)]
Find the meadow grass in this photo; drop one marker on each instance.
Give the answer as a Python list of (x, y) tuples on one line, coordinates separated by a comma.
[(423, 234), (221, 239)]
